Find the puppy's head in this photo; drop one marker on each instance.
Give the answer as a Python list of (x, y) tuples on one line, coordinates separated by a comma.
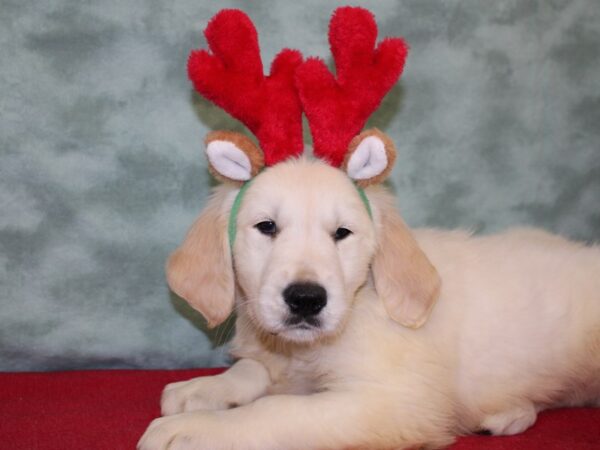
[(305, 240), (299, 237)]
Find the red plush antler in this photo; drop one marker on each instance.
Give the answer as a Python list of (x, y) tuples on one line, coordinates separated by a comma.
[(337, 108), (232, 78)]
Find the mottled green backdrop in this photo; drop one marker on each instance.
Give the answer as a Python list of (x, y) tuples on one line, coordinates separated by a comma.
[(496, 119)]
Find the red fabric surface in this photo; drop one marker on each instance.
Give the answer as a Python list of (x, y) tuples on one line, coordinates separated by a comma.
[(111, 409)]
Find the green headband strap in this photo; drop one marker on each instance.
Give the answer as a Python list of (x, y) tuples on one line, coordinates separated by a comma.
[(235, 208), (365, 200)]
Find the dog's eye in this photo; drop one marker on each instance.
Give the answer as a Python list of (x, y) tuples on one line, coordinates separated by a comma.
[(267, 227), (341, 233)]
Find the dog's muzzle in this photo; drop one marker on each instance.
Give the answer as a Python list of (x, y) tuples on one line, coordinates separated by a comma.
[(305, 300)]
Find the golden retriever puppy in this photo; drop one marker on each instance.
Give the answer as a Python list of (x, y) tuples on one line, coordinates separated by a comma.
[(354, 332)]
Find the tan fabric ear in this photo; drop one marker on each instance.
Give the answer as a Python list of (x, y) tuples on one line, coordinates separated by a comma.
[(371, 153), (232, 153), (200, 270), (405, 279)]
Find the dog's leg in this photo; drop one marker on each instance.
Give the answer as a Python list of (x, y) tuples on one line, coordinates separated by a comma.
[(244, 382), (326, 420), (512, 421)]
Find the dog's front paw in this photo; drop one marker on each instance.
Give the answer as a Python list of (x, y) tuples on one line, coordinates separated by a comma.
[(511, 421), (161, 434), (180, 432), (199, 394)]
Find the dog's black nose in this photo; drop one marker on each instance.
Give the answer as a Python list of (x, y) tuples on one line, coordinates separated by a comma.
[(305, 299)]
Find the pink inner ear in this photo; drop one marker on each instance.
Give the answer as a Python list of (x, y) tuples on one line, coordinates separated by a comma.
[(228, 160), (371, 157), (233, 156), (368, 160)]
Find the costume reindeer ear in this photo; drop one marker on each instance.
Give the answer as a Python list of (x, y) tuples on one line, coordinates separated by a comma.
[(370, 157), (233, 156)]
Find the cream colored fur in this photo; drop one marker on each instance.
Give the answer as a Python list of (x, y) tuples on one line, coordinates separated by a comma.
[(515, 328)]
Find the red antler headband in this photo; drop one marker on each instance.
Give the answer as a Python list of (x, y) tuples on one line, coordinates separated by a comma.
[(337, 107), (232, 78)]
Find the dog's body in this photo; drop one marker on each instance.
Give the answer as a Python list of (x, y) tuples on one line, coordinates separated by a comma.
[(516, 326)]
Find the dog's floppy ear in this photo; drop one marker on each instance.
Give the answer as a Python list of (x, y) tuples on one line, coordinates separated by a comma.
[(200, 270), (405, 279)]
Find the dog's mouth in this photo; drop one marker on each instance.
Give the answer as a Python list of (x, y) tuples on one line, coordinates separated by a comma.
[(302, 323), (299, 329)]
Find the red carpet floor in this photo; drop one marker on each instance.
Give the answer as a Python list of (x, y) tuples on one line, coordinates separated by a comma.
[(109, 410)]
